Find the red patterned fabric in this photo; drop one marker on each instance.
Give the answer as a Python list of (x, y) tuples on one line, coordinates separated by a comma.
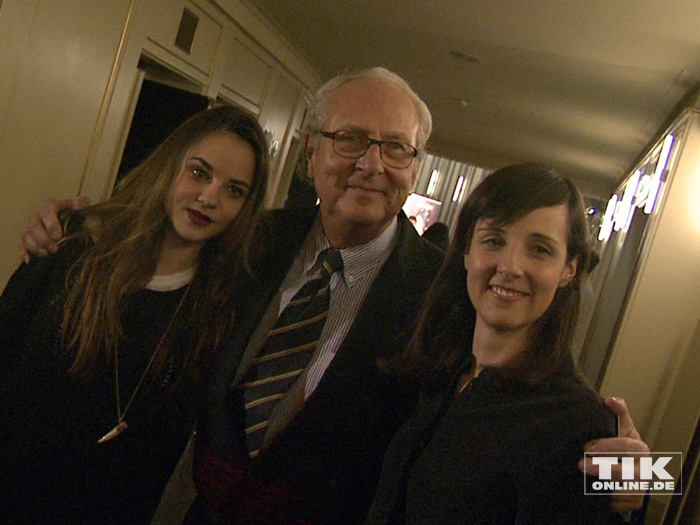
[(236, 496)]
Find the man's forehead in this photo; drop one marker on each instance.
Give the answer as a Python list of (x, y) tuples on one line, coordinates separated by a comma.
[(372, 106), (404, 134)]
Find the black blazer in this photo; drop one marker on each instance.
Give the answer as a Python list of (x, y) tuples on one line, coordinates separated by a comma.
[(331, 452)]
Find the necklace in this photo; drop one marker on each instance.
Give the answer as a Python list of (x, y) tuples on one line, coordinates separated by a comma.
[(121, 425)]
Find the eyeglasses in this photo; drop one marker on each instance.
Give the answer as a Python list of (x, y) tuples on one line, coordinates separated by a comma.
[(352, 145)]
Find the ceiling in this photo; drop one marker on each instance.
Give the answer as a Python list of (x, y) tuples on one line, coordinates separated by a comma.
[(584, 86)]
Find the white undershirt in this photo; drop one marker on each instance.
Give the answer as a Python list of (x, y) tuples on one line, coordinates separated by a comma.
[(173, 281)]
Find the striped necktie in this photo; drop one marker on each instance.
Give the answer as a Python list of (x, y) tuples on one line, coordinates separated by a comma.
[(287, 350)]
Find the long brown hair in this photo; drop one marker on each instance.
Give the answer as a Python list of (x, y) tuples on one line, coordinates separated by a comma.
[(446, 323), (128, 230)]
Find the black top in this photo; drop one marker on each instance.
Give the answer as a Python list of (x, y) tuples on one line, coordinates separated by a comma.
[(51, 467), (499, 452)]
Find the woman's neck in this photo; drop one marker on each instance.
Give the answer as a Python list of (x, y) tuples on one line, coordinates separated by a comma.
[(176, 256), (497, 349)]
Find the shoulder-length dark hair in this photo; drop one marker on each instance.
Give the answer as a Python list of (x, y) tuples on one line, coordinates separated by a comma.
[(446, 322), (128, 230)]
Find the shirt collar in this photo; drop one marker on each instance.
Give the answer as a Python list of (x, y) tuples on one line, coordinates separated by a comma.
[(357, 259)]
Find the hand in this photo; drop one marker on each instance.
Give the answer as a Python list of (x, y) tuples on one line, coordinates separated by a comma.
[(43, 229), (628, 441)]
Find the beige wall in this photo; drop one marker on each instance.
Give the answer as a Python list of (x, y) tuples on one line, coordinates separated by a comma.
[(656, 355), (69, 81), (55, 63)]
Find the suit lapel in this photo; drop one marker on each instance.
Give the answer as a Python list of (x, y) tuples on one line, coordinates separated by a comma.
[(386, 318)]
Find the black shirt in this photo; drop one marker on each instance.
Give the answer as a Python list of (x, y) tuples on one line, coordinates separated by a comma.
[(501, 451), (51, 468)]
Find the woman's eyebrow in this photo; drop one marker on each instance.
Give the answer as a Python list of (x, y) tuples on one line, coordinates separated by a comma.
[(203, 161), (544, 237), (239, 182), (489, 228)]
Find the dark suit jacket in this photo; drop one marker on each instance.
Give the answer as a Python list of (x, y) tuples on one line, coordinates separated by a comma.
[(332, 451)]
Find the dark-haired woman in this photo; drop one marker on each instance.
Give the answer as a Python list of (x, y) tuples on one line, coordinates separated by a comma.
[(103, 342), (504, 415)]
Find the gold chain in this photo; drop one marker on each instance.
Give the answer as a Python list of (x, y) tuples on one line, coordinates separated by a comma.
[(121, 425)]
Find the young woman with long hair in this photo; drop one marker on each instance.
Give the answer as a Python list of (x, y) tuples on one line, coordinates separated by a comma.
[(104, 342)]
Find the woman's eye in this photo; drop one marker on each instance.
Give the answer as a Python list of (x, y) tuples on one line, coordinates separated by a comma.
[(493, 242), (236, 191), (200, 173), (542, 250)]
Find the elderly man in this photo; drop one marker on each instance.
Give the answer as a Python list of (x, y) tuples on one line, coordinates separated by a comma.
[(321, 461), (314, 453)]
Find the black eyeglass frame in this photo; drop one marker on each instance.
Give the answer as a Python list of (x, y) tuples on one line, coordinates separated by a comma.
[(331, 135)]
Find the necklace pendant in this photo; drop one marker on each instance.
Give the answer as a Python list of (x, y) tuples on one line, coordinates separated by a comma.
[(121, 427)]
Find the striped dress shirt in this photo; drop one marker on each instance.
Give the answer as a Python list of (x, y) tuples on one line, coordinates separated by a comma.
[(348, 291)]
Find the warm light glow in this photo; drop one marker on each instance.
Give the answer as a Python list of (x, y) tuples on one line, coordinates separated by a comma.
[(641, 191), (655, 184), (624, 211), (432, 183), (607, 222), (458, 189), (642, 194), (692, 198)]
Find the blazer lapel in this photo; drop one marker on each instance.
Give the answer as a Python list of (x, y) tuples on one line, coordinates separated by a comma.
[(387, 317)]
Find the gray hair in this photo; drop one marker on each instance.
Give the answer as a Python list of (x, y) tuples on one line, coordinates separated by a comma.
[(317, 110)]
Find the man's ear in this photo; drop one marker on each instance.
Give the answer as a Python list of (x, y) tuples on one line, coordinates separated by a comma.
[(569, 272), (308, 146), (415, 169), (310, 149), (414, 179)]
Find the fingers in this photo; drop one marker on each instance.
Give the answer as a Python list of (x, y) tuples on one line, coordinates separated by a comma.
[(26, 256), (43, 230), (621, 501), (36, 239), (624, 503), (618, 444), (629, 500), (618, 406), (78, 203), (629, 442), (48, 215)]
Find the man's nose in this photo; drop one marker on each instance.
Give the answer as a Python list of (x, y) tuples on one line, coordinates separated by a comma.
[(371, 162)]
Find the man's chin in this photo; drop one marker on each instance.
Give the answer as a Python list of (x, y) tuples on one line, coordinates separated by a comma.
[(361, 211), (369, 218)]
